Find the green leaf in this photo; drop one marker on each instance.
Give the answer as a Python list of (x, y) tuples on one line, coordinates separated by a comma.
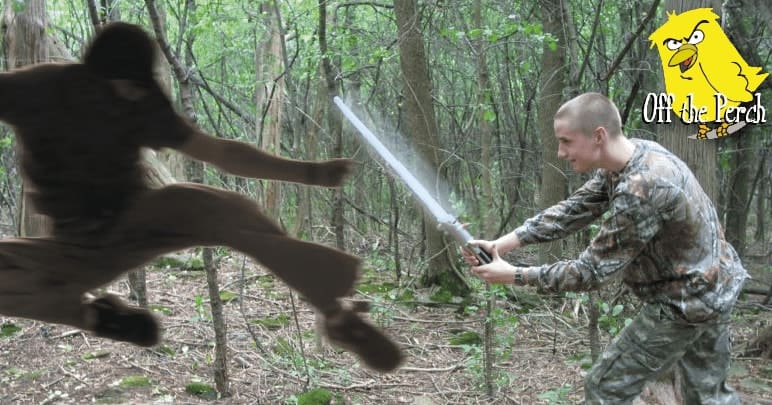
[(161, 309), (19, 6), (195, 263), (475, 33), (227, 296), (617, 310), (167, 350), (725, 161), (283, 347), (8, 329)]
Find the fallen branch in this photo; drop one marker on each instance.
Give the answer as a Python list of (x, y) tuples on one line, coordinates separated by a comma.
[(434, 369)]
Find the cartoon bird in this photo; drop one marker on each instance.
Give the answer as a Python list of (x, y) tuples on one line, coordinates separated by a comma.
[(701, 64)]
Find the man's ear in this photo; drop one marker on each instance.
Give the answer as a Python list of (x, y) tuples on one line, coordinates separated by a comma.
[(599, 135), (129, 89)]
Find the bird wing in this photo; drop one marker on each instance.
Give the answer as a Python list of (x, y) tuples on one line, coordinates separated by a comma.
[(729, 78)]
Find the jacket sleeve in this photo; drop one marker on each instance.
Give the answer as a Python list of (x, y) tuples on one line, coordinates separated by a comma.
[(566, 217), (623, 235)]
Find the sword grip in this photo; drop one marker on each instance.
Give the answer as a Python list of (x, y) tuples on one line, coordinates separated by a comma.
[(483, 256), (462, 236)]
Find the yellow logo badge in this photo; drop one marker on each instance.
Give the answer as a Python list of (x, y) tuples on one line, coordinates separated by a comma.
[(706, 79)]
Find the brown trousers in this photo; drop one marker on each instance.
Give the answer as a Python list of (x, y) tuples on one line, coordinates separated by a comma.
[(46, 278)]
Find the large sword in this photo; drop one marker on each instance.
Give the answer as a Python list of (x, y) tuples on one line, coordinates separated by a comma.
[(446, 222)]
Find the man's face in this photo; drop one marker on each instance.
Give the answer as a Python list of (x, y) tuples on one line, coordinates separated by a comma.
[(578, 149)]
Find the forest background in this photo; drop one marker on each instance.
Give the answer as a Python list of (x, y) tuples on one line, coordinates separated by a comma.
[(464, 92)]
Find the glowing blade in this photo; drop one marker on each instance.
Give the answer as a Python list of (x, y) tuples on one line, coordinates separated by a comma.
[(418, 189)]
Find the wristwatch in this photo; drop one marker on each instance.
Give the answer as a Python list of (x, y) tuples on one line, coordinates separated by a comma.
[(520, 277)]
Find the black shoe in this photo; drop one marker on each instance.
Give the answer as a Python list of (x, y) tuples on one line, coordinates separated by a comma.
[(347, 330), (118, 321)]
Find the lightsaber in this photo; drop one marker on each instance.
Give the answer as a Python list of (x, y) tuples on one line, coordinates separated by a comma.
[(446, 222)]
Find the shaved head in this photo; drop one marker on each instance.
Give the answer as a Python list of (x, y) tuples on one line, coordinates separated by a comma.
[(586, 112)]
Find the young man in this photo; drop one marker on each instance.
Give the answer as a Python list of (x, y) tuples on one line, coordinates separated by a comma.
[(662, 238), (81, 128)]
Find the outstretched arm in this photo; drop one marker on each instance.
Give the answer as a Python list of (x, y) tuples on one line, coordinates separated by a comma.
[(242, 159), (622, 237), (585, 205)]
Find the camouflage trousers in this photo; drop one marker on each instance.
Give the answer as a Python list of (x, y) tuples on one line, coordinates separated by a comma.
[(656, 340)]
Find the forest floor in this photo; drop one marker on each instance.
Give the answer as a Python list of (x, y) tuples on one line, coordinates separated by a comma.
[(542, 353)]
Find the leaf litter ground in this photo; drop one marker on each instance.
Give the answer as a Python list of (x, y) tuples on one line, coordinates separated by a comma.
[(538, 361)]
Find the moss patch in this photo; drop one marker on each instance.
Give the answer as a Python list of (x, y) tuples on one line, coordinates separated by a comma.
[(8, 329), (317, 396), (135, 381), (465, 338), (201, 390), (275, 323)]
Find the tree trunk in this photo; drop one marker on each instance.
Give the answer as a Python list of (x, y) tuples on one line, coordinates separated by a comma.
[(485, 116), (25, 44), (270, 99), (334, 125), (196, 173), (762, 196), (175, 162), (738, 188), (701, 157), (742, 146), (422, 129), (552, 82)]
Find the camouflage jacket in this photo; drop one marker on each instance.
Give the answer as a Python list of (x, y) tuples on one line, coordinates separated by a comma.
[(662, 236)]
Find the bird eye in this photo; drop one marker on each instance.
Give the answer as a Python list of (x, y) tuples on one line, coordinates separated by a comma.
[(673, 44), (697, 37)]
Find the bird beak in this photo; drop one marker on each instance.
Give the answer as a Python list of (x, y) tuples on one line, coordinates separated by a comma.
[(685, 58)]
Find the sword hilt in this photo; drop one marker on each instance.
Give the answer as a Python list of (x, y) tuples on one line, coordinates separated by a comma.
[(462, 236)]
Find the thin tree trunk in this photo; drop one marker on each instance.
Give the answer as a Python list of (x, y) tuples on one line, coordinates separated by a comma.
[(762, 197), (738, 190), (334, 124), (304, 217), (743, 145), (485, 106), (394, 229), (552, 82), (196, 174), (270, 98)]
